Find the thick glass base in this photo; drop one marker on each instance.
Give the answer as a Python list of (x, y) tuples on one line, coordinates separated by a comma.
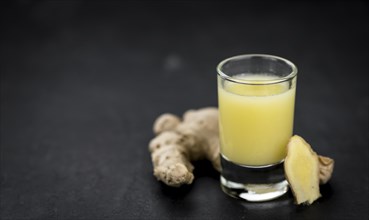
[(253, 183)]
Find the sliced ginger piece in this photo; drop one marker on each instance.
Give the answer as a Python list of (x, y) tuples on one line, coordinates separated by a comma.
[(302, 171)]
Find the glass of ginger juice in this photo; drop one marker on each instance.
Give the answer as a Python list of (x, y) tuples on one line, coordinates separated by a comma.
[(256, 97)]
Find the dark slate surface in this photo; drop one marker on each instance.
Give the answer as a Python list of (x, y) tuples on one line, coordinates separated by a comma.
[(81, 84)]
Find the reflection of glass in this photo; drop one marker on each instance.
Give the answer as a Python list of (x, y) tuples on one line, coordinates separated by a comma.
[(256, 96)]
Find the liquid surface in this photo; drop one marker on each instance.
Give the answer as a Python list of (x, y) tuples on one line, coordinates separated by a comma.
[(256, 121)]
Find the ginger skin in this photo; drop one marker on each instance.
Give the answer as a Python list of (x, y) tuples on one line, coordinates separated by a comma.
[(166, 122), (177, 143), (326, 166)]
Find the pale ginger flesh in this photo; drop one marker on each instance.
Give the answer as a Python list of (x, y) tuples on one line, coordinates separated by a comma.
[(180, 142), (301, 168)]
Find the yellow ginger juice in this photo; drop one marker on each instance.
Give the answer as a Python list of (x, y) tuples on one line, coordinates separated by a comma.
[(255, 119)]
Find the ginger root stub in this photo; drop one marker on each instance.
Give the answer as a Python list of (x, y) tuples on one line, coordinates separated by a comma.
[(305, 170)]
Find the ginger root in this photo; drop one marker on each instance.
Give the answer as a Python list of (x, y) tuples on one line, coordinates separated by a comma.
[(326, 166), (197, 137), (177, 143), (166, 122), (305, 170)]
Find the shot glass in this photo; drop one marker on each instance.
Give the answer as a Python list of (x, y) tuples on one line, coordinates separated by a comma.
[(256, 96)]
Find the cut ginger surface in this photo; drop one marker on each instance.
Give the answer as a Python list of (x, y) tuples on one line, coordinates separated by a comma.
[(302, 170)]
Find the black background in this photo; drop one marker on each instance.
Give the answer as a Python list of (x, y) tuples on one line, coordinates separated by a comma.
[(82, 83)]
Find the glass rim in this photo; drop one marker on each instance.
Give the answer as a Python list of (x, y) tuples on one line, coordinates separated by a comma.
[(223, 75)]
